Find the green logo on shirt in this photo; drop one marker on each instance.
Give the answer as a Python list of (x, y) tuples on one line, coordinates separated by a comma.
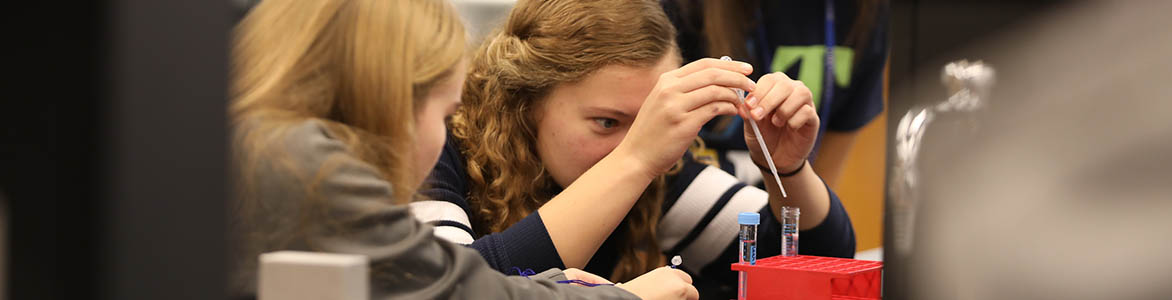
[(811, 71)]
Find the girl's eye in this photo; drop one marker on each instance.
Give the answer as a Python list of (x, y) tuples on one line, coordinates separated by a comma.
[(606, 123)]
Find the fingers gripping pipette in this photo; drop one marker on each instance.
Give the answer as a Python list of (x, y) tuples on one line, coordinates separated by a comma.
[(760, 139)]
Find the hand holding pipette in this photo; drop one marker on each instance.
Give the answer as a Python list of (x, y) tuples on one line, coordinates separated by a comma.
[(682, 101)]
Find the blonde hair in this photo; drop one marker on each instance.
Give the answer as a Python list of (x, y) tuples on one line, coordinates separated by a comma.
[(359, 66), (541, 45)]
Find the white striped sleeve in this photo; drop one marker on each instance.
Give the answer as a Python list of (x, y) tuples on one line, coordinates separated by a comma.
[(692, 205), (723, 229), (450, 221), (746, 170), (702, 221)]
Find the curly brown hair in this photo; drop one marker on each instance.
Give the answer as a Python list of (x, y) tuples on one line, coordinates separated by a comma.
[(541, 45)]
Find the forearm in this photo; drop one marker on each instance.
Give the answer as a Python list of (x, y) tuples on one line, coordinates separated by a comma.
[(581, 217), (805, 190), (832, 155)]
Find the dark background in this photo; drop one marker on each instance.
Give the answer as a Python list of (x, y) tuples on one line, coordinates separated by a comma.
[(113, 156), (926, 35)]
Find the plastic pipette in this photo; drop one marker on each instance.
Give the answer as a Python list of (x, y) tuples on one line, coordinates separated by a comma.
[(760, 139)]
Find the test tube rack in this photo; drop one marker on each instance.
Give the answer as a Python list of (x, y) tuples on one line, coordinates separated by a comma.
[(812, 277)]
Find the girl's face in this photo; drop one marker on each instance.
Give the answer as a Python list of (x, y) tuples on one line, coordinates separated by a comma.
[(579, 123), (431, 131)]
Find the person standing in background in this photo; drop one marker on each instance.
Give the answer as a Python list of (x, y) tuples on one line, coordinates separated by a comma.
[(793, 36)]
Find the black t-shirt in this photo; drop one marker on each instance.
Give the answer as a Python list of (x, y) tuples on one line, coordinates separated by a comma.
[(791, 39)]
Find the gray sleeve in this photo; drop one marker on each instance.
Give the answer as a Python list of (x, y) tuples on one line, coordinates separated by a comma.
[(407, 261)]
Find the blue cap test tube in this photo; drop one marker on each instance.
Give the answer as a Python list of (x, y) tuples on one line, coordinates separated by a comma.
[(748, 237)]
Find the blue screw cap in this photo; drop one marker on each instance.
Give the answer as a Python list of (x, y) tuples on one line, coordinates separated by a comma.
[(749, 218)]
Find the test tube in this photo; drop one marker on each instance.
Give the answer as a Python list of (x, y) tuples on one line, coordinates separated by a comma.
[(789, 230), (748, 235)]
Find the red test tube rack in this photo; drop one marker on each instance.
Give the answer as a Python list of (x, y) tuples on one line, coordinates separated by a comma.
[(813, 277)]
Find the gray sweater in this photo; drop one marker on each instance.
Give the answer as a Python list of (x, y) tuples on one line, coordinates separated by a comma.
[(353, 214)]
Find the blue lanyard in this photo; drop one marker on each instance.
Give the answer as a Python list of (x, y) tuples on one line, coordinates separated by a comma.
[(827, 80)]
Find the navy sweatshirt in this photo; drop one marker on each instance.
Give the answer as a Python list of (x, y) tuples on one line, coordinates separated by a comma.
[(699, 224)]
